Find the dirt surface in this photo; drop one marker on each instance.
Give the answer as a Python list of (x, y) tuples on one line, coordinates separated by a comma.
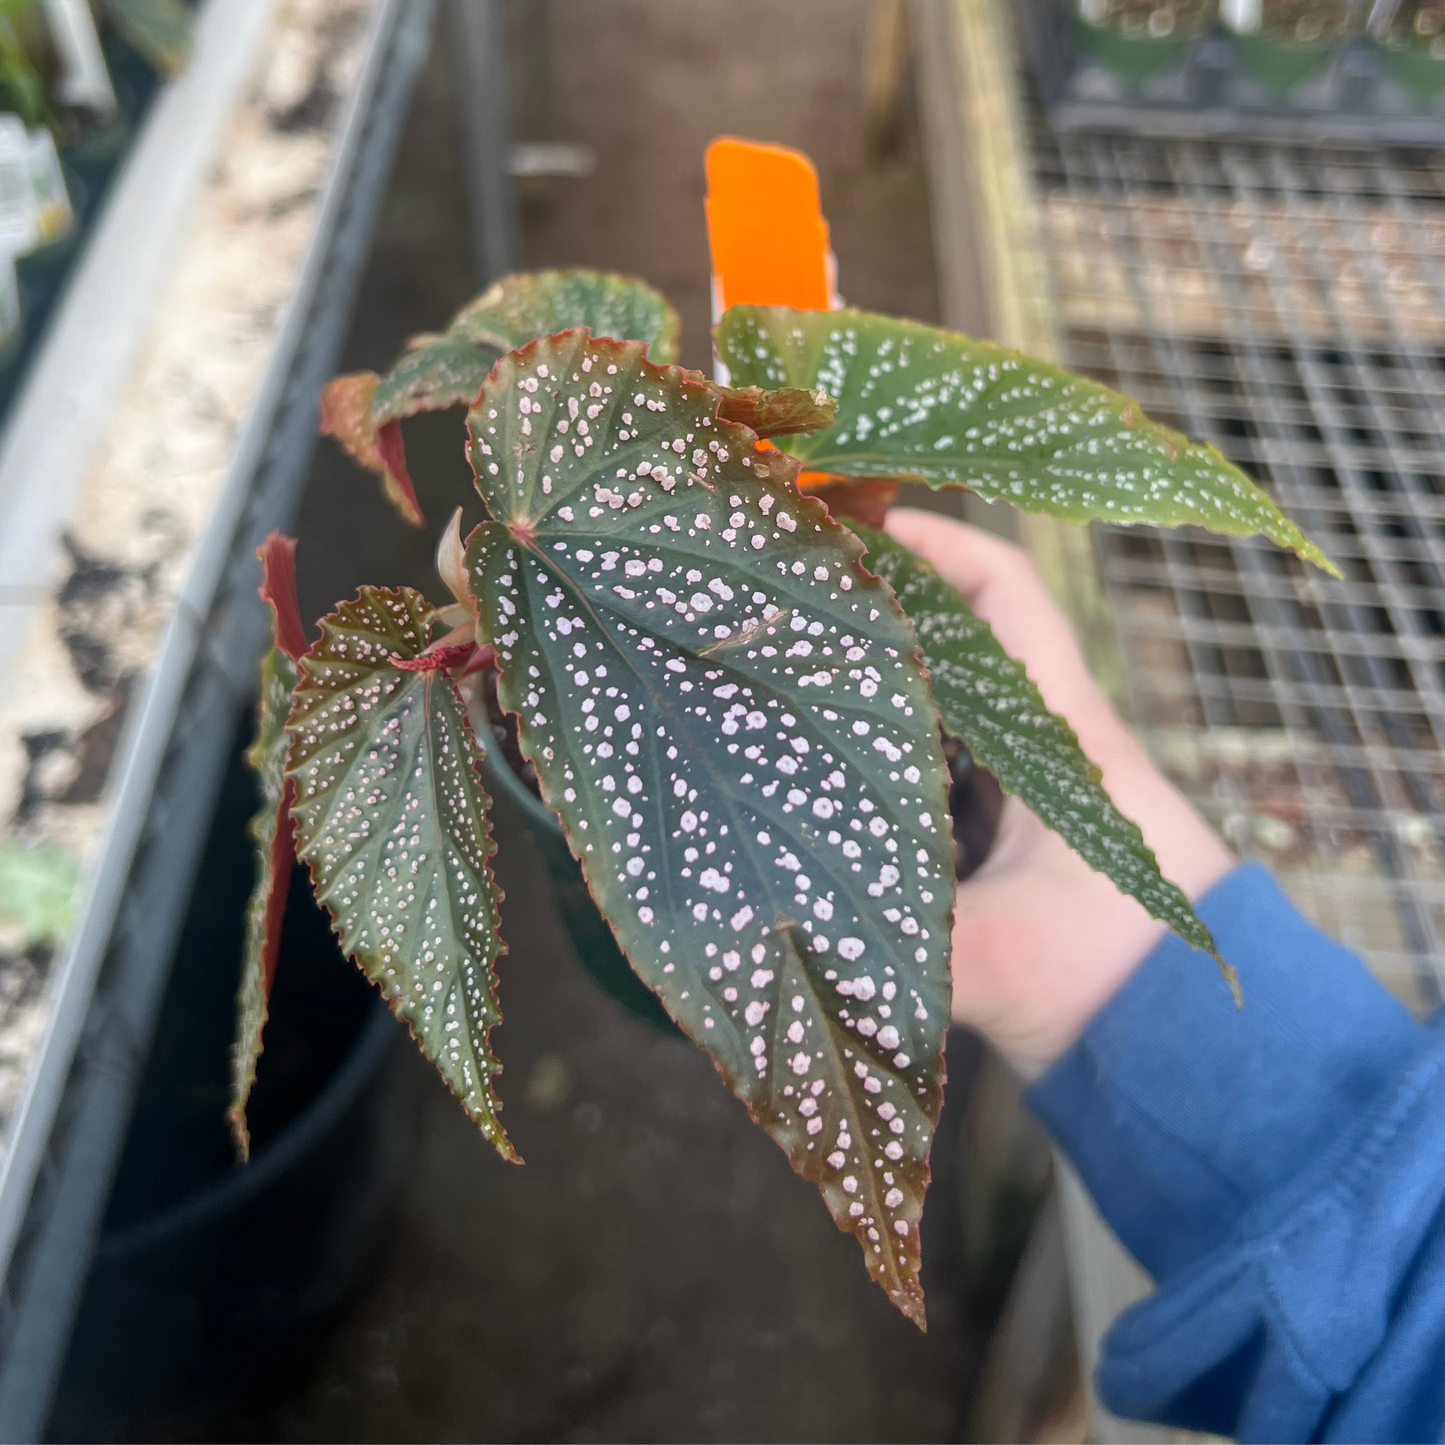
[(655, 1271)]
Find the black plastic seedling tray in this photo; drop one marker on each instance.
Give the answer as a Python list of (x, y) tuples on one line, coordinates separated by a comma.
[(1209, 93)]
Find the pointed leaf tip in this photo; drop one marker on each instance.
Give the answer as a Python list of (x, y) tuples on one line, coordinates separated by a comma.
[(452, 564), (923, 404), (990, 703), (273, 835), (346, 414), (278, 589), (271, 829)]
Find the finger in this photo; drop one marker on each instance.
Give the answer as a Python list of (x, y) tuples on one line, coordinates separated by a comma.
[(967, 557)]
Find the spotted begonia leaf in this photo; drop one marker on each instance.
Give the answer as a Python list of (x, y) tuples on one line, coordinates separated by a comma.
[(521, 308), (943, 409), (271, 827), (785, 412), (392, 820), (729, 717), (363, 411), (433, 374), (990, 703)]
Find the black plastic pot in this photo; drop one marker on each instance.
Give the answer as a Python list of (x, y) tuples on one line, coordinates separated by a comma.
[(210, 1275)]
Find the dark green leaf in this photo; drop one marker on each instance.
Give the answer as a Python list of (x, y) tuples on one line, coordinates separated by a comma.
[(989, 702), (521, 308), (391, 818), (729, 717), (271, 830), (930, 405)]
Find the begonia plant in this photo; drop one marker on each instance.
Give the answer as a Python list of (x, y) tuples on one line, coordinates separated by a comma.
[(733, 695)]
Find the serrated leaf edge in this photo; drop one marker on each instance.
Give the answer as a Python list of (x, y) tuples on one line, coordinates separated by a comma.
[(502, 1143)]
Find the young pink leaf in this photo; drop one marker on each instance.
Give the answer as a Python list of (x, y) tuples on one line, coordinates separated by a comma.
[(728, 715), (785, 412), (452, 564), (277, 555)]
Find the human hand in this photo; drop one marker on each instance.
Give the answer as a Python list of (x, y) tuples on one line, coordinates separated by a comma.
[(1040, 941)]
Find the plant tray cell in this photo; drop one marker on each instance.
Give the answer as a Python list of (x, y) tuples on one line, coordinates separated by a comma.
[(1356, 96)]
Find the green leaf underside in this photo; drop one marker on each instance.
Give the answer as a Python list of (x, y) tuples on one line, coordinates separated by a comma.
[(728, 715), (266, 758), (521, 308), (931, 405), (391, 819), (989, 702)]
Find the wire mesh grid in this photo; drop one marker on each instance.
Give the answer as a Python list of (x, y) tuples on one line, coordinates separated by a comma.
[(1288, 305)]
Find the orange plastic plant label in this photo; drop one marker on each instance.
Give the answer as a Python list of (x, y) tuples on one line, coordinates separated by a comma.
[(766, 228), (769, 240)]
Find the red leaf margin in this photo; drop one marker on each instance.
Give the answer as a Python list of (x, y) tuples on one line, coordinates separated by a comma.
[(345, 406), (278, 589)]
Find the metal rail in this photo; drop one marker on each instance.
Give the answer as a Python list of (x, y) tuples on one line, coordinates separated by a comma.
[(171, 762)]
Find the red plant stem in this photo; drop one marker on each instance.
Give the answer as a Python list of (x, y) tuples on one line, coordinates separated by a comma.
[(278, 588)]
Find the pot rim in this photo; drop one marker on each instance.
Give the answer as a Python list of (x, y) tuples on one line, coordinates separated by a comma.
[(244, 1183)]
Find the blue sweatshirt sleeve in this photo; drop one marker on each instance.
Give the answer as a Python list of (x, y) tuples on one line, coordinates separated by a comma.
[(1279, 1170)]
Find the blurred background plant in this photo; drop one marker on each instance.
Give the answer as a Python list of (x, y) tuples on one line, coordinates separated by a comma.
[(1410, 35), (35, 37), (75, 76), (1138, 38), (39, 891)]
